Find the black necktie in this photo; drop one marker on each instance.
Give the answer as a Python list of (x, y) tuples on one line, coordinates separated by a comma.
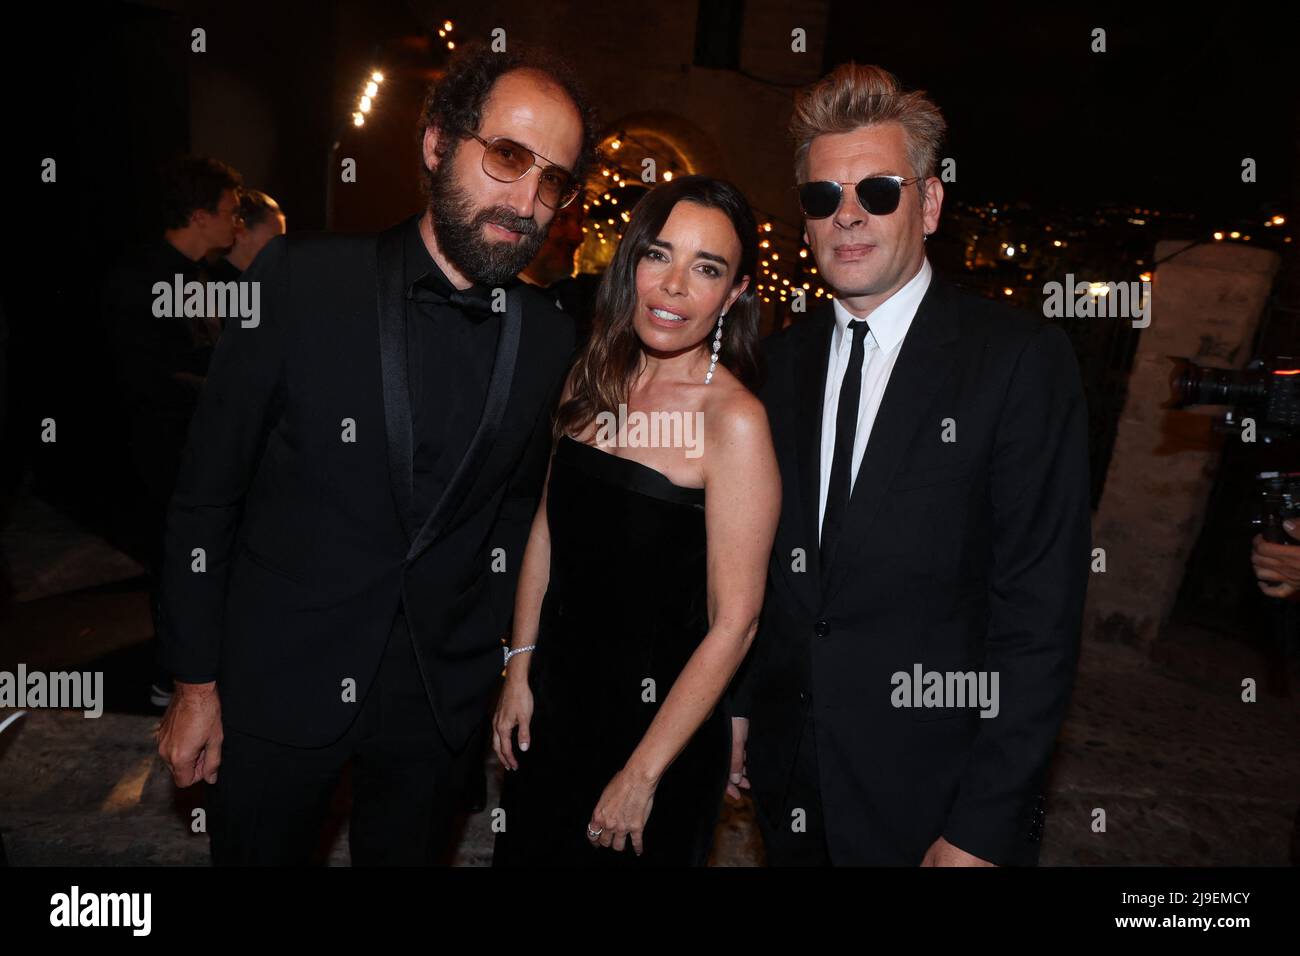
[(468, 301), (846, 427)]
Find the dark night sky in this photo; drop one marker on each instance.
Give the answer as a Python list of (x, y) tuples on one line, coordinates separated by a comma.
[(1163, 118)]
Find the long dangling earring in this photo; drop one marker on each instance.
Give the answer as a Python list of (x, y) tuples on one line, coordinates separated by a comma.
[(717, 347)]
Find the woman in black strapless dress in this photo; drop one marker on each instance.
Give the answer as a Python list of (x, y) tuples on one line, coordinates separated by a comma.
[(639, 594), (618, 530)]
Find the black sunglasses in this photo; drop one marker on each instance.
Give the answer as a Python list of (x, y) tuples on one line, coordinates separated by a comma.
[(879, 195)]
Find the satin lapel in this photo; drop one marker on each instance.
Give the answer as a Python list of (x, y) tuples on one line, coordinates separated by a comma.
[(927, 356), (494, 407), (810, 390), (392, 360)]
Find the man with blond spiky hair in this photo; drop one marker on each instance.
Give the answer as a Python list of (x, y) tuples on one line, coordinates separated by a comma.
[(934, 534)]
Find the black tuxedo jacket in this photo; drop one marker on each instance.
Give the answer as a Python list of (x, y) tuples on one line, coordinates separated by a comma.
[(309, 544), (960, 555)]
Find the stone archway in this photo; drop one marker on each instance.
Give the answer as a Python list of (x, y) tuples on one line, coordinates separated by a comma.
[(677, 147)]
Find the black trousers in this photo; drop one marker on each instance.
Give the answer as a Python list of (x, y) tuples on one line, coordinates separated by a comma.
[(790, 840), (156, 459), (270, 800)]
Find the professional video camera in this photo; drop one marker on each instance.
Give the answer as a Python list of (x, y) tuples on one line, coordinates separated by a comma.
[(1269, 395)]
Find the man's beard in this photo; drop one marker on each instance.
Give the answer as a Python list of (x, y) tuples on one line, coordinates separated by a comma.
[(459, 231)]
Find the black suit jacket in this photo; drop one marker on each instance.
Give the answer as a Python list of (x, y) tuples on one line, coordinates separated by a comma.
[(309, 541), (959, 556)]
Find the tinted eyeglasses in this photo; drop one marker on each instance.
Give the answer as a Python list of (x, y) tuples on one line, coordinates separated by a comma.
[(508, 162), (879, 195)]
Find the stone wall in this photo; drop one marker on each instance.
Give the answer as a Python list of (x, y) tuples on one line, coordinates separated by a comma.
[(1206, 303)]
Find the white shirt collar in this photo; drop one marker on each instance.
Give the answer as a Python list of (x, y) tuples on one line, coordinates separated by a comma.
[(893, 317)]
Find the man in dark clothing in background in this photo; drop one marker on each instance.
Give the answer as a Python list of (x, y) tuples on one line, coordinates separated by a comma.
[(161, 362), (258, 221)]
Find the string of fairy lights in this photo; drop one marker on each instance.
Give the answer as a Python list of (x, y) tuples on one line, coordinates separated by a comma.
[(444, 34), (370, 88), (366, 99)]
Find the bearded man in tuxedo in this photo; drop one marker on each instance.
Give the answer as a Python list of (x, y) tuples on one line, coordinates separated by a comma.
[(366, 456)]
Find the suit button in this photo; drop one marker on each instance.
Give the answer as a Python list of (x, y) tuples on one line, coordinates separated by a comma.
[(821, 628)]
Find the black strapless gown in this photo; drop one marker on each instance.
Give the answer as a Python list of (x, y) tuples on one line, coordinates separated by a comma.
[(626, 605)]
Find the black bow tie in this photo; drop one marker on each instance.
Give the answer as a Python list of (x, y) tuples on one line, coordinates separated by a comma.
[(472, 304)]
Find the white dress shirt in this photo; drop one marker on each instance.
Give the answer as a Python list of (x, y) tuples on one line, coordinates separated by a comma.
[(889, 324)]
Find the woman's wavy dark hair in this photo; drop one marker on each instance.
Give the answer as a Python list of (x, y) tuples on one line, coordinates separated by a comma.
[(455, 102), (603, 374)]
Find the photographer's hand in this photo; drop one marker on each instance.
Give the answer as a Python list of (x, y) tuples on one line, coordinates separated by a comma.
[(1277, 566)]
